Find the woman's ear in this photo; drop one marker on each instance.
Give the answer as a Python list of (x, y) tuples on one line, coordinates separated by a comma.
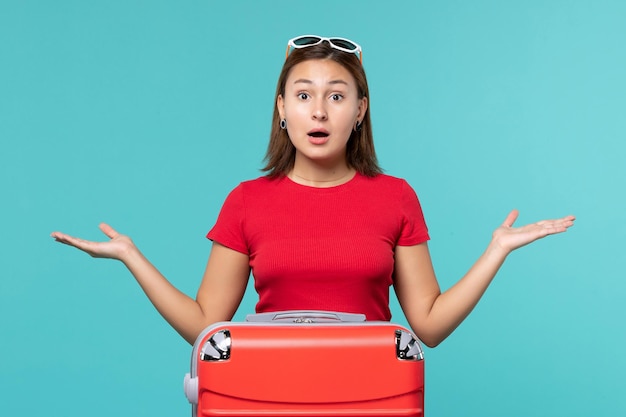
[(280, 105), (362, 108)]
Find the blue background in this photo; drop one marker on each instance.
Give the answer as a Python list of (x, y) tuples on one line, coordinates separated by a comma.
[(144, 114)]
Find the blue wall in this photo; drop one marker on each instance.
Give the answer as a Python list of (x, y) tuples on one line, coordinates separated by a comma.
[(144, 114)]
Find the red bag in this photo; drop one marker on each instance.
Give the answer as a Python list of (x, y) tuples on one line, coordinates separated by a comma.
[(306, 364)]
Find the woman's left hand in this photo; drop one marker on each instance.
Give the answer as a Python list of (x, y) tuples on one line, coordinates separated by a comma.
[(510, 238)]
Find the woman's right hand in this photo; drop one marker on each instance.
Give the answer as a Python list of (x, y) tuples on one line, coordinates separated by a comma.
[(116, 248)]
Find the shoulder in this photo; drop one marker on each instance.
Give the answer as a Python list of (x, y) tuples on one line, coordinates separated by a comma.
[(393, 190), (249, 193), (386, 179), (388, 182), (260, 184), (259, 187)]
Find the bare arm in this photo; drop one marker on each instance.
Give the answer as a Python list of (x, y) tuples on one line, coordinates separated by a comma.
[(223, 284), (434, 315)]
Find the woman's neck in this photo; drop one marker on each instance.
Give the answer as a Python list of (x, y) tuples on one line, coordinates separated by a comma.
[(321, 178)]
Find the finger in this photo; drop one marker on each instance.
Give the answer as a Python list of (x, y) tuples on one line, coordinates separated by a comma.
[(109, 231), (551, 221), (81, 244), (569, 219), (60, 237), (70, 240), (510, 219), (563, 222)]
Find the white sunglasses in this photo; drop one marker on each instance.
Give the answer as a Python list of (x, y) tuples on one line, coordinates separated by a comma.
[(341, 44)]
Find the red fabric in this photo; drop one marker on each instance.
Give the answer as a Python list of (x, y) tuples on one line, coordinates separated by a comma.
[(322, 248)]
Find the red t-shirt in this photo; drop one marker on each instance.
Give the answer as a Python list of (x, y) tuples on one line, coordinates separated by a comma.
[(322, 248)]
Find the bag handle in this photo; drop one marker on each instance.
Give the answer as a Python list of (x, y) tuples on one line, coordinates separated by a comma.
[(306, 316)]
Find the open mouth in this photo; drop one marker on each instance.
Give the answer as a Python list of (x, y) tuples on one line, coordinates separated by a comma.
[(318, 134)]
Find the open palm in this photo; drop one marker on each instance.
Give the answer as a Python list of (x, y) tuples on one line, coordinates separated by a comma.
[(115, 248), (511, 238)]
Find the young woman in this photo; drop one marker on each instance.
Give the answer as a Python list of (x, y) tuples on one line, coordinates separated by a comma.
[(324, 229)]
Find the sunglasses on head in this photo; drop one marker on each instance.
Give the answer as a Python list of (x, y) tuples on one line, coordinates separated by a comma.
[(341, 44)]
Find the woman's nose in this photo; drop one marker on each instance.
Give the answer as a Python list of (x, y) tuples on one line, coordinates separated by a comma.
[(319, 112)]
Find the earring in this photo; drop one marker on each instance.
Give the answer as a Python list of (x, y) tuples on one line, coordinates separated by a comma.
[(283, 124), (357, 126)]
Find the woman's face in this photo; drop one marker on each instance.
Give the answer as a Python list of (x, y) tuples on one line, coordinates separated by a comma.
[(321, 106)]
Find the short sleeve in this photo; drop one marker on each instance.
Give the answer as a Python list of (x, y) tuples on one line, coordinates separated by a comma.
[(414, 230), (228, 229)]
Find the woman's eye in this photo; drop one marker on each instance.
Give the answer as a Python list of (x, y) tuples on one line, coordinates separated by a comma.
[(336, 97), (303, 96)]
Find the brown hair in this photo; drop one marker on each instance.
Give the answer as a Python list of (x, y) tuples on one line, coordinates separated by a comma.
[(360, 153)]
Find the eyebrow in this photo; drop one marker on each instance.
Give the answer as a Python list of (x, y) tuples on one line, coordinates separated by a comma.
[(306, 81)]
